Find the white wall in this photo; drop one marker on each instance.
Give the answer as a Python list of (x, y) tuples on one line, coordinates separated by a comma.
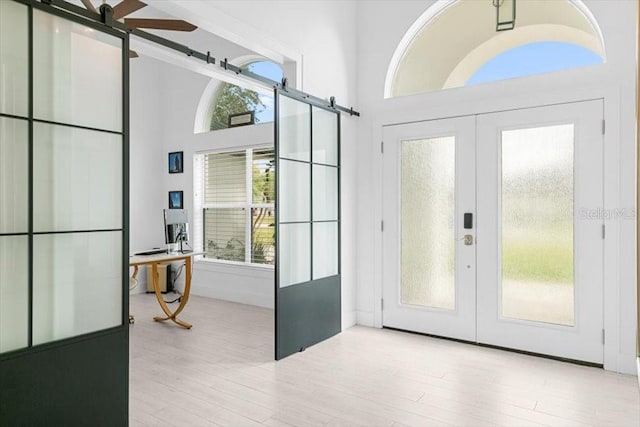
[(148, 160), (324, 35), (614, 81)]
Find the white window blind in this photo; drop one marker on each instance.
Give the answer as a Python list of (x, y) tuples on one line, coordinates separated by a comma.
[(238, 198)]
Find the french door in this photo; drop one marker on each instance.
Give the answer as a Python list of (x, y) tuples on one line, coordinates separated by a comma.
[(493, 229)]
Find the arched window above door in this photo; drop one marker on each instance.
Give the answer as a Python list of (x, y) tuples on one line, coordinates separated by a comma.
[(454, 44), (231, 99)]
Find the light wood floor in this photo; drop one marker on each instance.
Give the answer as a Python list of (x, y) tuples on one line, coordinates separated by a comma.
[(221, 373)]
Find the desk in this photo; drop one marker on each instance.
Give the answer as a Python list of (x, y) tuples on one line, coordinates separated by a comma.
[(137, 260)]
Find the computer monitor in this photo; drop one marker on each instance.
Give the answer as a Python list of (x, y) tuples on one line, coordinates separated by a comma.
[(176, 227)]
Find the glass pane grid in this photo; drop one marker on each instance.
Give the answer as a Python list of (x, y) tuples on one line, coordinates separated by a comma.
[(77, 275), (77, 284), (294, 252), (428, 218), (295, 190), (325, 194), (14, 58), (14, 292), (325, 249), (14, 175), (537, 225), (77, 179), (65, 83), (294, 128), (309, 208), (325, 137)]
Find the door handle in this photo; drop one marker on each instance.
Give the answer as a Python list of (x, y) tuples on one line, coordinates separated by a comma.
[(468, 239)]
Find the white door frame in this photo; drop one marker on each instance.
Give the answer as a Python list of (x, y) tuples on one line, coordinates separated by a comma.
[(617, 294)]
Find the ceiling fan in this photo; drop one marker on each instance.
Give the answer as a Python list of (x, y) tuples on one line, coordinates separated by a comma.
[(126, 7)]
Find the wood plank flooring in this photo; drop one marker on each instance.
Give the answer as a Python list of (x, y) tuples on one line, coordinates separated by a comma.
[(222, 373)]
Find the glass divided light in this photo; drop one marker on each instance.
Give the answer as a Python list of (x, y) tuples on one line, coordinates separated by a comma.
[(77, 179), (14, 59), (309, 189), (428, 217), (537, 224), (14, 175), (77, 284), (72, 251), (14, 292), (66, 87)]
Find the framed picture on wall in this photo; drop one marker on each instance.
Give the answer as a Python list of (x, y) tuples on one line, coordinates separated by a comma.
[(175, 162), (175, 200)]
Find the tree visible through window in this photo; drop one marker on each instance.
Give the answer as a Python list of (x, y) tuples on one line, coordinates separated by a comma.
[(232, 99), (239, 221)]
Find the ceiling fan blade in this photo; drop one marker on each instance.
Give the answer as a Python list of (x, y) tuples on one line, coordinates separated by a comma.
[(160, 24), (133, 54), (125, 7), (90, 7)]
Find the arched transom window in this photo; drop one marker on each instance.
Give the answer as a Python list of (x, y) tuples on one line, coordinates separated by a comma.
[(455, 43), (230, 99)]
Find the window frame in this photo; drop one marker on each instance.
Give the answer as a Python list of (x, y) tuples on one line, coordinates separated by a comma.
[(248, 205)]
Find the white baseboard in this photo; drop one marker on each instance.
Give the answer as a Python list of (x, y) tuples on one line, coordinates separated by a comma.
[(233, 295), (364, 318)]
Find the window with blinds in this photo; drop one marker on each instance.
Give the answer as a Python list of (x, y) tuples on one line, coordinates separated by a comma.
[(238, 198)]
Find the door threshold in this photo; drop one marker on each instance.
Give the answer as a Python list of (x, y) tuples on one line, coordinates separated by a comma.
[(512, 350)]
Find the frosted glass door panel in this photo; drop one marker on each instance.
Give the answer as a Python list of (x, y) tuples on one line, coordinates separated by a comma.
[(66, 87), (77, 284), (14, 175), (325, 193), (77, 179), (294, 183), (325, 137), (537, 224), (294, 129), (294, 256), (427, 218), (14, 292), (14, 59), (325, 249)]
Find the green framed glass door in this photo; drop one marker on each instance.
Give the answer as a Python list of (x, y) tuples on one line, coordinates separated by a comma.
[(307, 288), (63, 218)]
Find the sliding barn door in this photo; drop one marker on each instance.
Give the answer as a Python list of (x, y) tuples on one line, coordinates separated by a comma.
[(307, 293), (64, 338)]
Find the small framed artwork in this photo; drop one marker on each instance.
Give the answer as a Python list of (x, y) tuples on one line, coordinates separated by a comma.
[(175, 162), (175, 200), (242, 119)]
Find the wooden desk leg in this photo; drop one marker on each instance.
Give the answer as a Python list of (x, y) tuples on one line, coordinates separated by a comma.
[(187, 286), (156, 287)]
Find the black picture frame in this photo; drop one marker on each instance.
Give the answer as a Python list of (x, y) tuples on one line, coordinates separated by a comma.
[(242, 119), (176, 163), (176, 200)]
